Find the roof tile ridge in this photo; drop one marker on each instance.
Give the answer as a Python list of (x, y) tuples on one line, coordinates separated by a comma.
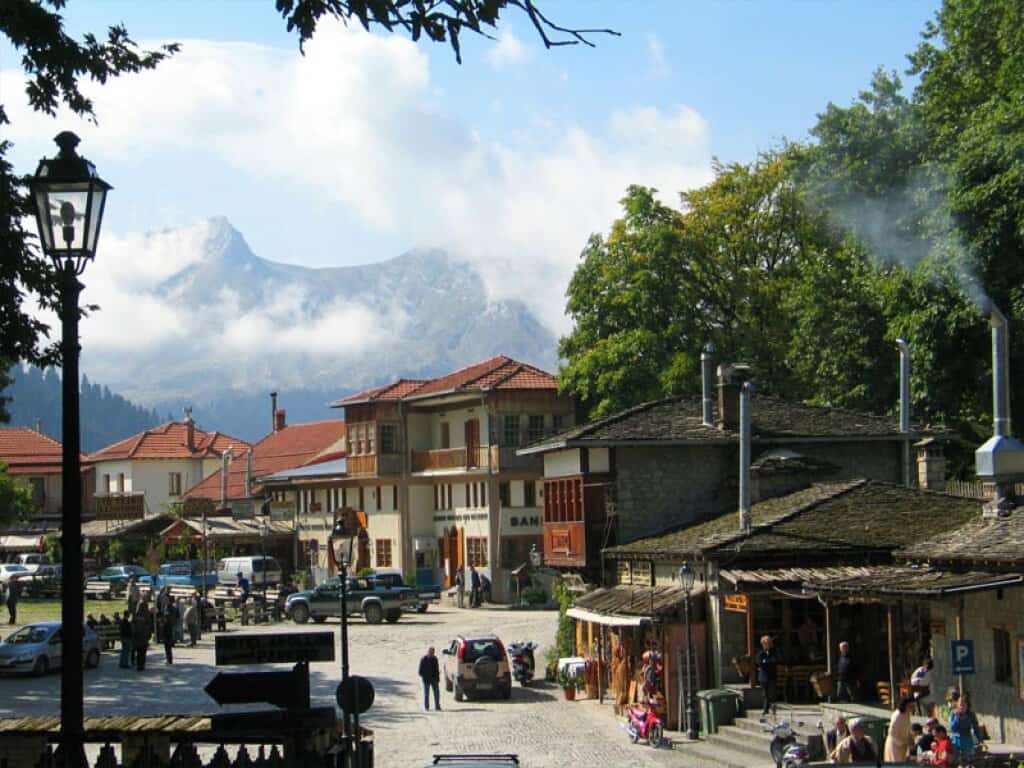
[(493, 360), (516, 368)]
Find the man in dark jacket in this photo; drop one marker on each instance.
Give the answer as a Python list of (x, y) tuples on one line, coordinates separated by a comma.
[(430, 674), (767, 662), (142, 631), (170, 623), (12, 601), (474, 587), (846, 674)]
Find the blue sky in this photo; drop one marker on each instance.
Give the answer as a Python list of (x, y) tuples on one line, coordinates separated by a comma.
[(370, 146)]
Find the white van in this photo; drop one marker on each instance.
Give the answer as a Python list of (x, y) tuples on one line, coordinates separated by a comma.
[(32, 560), (256, 569)]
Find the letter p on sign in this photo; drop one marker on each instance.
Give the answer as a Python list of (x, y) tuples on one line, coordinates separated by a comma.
[(963, 657)]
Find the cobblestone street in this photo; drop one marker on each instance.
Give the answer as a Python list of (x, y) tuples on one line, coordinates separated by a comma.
[(536, 723)]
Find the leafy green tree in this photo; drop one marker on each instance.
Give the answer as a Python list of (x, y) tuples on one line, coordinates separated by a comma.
[(16, 502)]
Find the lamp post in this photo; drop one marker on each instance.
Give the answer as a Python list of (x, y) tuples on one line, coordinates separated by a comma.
[(263, 554), (687, 578), (342, 538), (69, 199)]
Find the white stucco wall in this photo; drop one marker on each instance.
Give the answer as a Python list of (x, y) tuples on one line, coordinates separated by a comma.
[(562, 463)]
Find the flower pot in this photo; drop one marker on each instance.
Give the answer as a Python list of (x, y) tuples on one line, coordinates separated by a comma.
[(570, 694)]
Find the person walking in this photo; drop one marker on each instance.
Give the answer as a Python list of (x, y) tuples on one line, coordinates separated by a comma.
[(460, 587), (134, 597), (767, 661), (430, 674), (900, 739), (474, 584), (170, 622), (963, 727), (142, 630), (192, 623), (12, 602), (846, 674), (124, 625), (243, 586)]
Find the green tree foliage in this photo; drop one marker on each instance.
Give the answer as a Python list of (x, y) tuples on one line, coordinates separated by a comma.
[(16, 503)]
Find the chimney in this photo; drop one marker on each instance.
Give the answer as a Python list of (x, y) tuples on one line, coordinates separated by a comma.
[(744, 407), (279, 420), (1001, 459), (39, 425), (707, 376), (273, 411), (190, 429), (931, 465), (905, 408), (730, 378)]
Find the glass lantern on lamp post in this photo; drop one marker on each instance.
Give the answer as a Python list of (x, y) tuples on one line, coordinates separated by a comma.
[(687, 580), (69, 201)]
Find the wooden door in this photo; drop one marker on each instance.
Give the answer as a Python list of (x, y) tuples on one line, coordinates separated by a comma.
[(473, 443), (460, 548)]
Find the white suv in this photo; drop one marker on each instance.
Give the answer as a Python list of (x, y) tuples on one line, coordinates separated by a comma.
[(477, 665)]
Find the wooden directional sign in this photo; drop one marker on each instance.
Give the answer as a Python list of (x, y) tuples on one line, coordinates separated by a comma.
[(261, 723), (288, 690), (283, 647)]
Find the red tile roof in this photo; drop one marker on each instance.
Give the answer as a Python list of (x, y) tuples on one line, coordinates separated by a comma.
[(293, 446), (170, 441), (499, 372), (26, 451)]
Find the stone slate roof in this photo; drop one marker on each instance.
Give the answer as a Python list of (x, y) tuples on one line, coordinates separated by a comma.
[(827, 519), (678, 419), (981, 542), (631, 600), (883, 581)]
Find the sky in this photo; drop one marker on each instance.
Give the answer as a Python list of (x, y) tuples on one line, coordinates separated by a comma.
[(369, 145)]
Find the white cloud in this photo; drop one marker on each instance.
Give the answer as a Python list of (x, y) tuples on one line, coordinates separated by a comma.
[(658, 67), (508, 50), (358, 121)]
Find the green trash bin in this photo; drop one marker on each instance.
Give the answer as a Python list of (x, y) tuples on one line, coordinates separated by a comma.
[(718, 707)]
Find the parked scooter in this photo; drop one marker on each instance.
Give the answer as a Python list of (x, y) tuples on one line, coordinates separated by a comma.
[(521, 654), (645, 723), (786, 751)]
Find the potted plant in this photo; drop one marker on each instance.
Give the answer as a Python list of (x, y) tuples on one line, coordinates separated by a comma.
[(569, 682)]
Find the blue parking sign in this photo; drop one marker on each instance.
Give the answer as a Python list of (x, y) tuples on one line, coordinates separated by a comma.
[(963, 657)]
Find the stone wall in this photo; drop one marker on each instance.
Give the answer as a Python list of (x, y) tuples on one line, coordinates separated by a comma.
[(998, 704)]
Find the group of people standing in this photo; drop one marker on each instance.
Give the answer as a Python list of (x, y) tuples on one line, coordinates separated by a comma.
[(477, 586), (165, 622), (767, 660)]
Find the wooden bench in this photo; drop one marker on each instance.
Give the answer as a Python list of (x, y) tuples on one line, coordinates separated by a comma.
[(98, 590), (108, 635)]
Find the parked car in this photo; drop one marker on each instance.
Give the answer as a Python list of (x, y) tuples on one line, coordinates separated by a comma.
[(36, 648), (325, 601), (117, 575), (476, 664), (187, 573), (46, 580), (11, 570), (32, 560), (390, 578), (257, 569)]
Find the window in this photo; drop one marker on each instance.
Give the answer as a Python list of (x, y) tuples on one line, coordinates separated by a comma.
[(510, 429), (106, 484), (377, 494), (557, 422), (476, 551), (1002, 655), (383, 553), (483, 494), (529, 493), (442, 497), (394, 497), (120, 482), (38, 490), (344, 497), (563, 501), (505, 494), (474, 496), (536, 430), (388, 438), (174, 484), (371, 438), (446, 435), (448, 496), (362, 499)]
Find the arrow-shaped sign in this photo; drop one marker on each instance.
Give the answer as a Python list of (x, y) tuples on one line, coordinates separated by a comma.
[(288, 690)]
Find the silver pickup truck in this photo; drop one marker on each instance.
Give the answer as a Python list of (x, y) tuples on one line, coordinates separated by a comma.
[(373, 604)]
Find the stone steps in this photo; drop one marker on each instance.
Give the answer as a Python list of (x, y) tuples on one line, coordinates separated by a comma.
[(722, 756)]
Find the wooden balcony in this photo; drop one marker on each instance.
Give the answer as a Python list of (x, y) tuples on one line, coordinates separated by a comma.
[(361, 465), (449, 459)]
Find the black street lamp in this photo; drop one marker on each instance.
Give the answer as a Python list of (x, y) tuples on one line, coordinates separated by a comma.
[(69, 198), (263, 554), (346, 528), (687, 578)]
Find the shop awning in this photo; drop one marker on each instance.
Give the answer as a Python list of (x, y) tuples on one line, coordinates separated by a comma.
[(768, 577), (607, 620), (14, 542)]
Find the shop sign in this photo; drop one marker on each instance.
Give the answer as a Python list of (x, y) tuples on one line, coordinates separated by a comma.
[(120, 507), (460, 517), (737, 603), (520, 524), (281, 511), (242, 509)]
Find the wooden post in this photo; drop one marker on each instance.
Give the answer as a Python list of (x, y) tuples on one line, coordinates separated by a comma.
[(749, 615), (959, 636), (892, 661)]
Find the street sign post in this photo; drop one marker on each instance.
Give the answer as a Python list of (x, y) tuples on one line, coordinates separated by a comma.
[(288, 690), (963, 657), (284, 647), (355, 695)]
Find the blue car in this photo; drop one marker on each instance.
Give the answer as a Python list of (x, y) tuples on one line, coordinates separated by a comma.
[(186, 573), (36, 648)]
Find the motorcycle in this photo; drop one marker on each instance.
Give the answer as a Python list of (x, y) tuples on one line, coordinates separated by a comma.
[(645, 723), (521, 654), (786, 751)]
